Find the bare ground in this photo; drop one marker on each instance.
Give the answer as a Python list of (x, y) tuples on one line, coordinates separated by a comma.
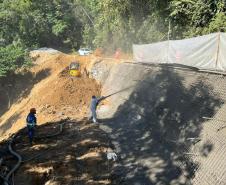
[(75, 156)]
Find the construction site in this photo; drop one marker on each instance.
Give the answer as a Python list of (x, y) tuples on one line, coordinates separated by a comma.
[(164, 124)]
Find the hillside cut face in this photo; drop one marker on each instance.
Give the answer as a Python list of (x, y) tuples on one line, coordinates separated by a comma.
[(159, 124)]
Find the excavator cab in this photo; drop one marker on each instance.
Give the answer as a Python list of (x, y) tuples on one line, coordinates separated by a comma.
[(74, 69)]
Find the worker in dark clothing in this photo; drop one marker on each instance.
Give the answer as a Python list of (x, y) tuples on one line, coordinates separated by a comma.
[(93, 106), (31, 124)]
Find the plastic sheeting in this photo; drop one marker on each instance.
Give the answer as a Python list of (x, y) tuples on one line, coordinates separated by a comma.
[(203, 52), (156, 53), (221, 61)]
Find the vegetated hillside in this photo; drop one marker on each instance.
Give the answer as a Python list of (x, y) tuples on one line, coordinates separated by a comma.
[(54, 95), (107, 23)]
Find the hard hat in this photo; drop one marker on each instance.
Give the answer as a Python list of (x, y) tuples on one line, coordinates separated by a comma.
[(33, 110)]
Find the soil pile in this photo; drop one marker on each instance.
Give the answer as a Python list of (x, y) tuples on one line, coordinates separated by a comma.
[(54, 96)]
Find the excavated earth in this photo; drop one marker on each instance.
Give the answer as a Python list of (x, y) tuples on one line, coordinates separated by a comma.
[(78, 154), (54, 93), (166, 123)]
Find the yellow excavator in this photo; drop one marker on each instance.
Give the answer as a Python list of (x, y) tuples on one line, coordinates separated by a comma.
[(74, 69)]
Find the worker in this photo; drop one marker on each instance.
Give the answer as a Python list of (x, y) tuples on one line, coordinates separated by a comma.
[(94, 103), (31, 124), (118, 53)]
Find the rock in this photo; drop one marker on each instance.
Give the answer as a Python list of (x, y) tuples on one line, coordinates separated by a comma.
[(112, 156)]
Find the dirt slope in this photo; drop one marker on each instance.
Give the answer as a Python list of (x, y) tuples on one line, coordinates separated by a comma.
[(78, 154), (55, 96), (156, 119)]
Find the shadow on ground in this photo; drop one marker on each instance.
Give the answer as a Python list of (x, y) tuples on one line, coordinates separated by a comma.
[(74, 156), (15, 87), (153, 128)]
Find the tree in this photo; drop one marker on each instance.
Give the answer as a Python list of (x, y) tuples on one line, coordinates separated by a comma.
[(122, 23), (191, 18), (12, 57), (40, 23), (106, 23)]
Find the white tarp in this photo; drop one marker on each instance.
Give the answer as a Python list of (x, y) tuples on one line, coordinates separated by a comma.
[(203, 52), (221, 62), (156, 53)]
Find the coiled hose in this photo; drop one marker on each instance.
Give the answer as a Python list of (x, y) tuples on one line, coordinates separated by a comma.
[(19, 161)]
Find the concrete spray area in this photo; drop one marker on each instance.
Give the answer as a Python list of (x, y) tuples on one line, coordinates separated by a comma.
[(167, 124)]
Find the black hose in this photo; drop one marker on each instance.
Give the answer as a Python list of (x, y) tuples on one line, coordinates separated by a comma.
[(17, 164), (31, 158), (125, 89), (40, 137), (11, 172), (52, 135), (4, 179)]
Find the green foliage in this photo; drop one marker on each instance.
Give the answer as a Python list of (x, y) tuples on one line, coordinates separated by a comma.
[(35, 23), (197, 17), (12, 57), (107, 23), (122, 23), (218, 23), (40, 22)]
